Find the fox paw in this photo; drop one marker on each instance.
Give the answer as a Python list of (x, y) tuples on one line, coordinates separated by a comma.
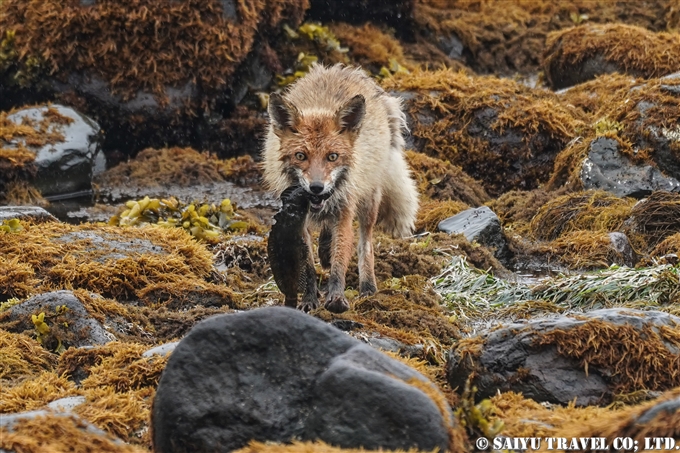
[(336, 303), (367, 288), (308, 304)]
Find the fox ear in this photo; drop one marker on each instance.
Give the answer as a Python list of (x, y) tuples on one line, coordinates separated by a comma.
[(283, 115), (351, 114)]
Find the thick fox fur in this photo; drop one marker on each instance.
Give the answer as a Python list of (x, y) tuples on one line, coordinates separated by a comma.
[(338, 134)]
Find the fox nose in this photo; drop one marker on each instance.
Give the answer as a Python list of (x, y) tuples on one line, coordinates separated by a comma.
[(316, 187)]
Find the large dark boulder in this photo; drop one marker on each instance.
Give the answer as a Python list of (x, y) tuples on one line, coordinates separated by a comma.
[(276, 374)]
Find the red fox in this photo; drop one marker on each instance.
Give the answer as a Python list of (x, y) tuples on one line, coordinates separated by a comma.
[(337, 134)]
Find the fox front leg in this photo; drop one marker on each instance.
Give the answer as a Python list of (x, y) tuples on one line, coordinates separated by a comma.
[(310, 292)]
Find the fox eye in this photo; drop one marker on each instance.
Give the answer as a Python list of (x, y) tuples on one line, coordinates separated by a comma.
[(333, 157), (300, 156)]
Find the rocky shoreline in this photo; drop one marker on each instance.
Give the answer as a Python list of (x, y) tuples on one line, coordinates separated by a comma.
[(538, 297)]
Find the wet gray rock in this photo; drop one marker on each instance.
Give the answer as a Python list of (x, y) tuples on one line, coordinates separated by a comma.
[(621, 244), (66, 404), (68, 320), (277, 374), (607, 169), (481, 225), (511, 360), (161, 350), (32, 213), (64, 168)]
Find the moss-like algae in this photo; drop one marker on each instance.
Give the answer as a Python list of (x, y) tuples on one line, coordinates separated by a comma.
[(431, 212), (517, 208), (184, 167), (655, 219), (36, 392)]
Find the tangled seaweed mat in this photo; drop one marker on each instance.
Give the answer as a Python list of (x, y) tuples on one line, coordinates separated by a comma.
[(499, 131), (594, 210), (150, 263), (119, 40)]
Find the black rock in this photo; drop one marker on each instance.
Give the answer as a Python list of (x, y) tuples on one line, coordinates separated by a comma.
[(275, 374), (481, 225), (607, 169), (511, 360)]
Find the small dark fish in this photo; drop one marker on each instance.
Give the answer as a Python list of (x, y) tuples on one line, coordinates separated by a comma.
[(288, 251)]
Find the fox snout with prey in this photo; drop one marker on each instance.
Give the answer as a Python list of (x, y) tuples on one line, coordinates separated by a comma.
[(338, 135)]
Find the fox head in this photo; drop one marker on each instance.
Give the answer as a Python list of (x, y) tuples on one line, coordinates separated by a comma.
[(317, 148)]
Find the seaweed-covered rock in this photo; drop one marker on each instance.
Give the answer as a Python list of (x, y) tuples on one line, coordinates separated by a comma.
[(481, 225), (66, 163), (606, 168), (512, 39), (586, 358), (148, 264), (145, 87), (641, 116), (59, 319), (278, 374), (578, 54), (499, 131)]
